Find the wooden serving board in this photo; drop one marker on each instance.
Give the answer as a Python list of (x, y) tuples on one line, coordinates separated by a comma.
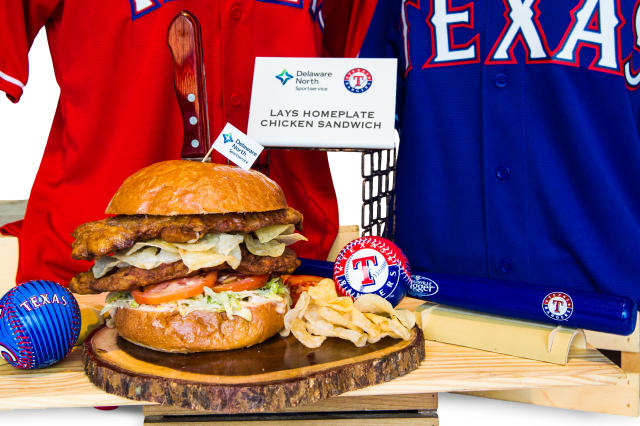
[(277, 374)]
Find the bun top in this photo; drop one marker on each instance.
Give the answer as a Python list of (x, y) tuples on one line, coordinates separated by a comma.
[(181, 187)]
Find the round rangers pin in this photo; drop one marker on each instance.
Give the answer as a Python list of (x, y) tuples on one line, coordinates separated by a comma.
[(39, 324), (372, 265), (558, 306), (358, 80)]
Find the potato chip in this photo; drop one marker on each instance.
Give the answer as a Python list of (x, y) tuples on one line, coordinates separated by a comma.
[(323, 328), (324, 291), (374, 304), (273, 248), (399, 330), (268, 233), (341, 304), (288, 239), (406, 317), (320, 312), (362, 322), (147, 258), (298, 311), (195, 260), (335, 317), (152, 243), (299, 330)]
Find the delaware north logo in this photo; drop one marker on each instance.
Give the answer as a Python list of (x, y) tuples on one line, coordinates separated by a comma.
[(358, 80), (284, 76), (558, 306), (227, 137)]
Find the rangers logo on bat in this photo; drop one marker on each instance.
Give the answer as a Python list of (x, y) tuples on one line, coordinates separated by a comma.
[(558, 306)]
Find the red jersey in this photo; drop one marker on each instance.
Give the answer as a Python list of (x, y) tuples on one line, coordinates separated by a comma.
[(118, 111)]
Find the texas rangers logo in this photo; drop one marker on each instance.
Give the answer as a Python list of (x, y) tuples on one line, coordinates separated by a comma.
[(372, 265), (423, 286), (367, 271), (558, 306), (358, 80)]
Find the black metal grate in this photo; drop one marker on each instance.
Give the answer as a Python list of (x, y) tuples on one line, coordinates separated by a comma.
[(378, 192)]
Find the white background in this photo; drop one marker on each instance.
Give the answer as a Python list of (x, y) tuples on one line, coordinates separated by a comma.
[(23, 132)]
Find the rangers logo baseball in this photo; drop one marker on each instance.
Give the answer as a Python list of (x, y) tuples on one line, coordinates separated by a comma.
[(558, 306), (372, 265), (358, 80)]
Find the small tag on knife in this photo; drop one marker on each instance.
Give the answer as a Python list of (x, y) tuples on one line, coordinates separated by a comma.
[(239, 148)]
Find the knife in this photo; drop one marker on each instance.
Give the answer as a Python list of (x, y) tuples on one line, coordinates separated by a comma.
[(184, 38)]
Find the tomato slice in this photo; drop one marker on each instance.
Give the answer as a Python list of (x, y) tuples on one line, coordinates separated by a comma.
[(168, 291), (301, 280), (298, 284), (239, 282)]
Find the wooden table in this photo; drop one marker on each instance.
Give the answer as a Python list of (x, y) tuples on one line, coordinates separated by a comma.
[(447, 368)]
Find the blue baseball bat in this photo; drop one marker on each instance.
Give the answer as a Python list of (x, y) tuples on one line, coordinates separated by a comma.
[(534, 302)]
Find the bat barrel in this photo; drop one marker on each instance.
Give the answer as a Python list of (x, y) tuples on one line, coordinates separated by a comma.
[(542, 303), (533, 302)]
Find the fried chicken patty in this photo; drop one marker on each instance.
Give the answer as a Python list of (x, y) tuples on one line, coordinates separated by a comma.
[(102, 237), (129, 278)]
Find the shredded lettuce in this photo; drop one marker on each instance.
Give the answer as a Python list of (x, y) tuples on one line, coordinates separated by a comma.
[(233, 303), (211, 250)]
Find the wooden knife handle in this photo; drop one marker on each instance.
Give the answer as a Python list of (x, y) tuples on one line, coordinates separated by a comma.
[(184, 38)]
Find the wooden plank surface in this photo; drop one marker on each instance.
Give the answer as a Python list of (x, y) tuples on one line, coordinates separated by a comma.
[(324, 421), (446, 368), (417, 401)]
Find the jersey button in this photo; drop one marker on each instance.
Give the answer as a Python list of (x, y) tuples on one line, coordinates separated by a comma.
[(236, 99), (506, 265), (503, 172), (501, 80), (236, 12)]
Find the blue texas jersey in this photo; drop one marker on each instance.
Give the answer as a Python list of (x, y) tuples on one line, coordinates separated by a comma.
[(520, 149)]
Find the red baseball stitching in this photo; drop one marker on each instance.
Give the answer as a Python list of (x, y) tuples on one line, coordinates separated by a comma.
[(26, 359), (75, 318)]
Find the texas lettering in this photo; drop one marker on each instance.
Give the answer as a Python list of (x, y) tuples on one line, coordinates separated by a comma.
[(593, 24), (35, 302)]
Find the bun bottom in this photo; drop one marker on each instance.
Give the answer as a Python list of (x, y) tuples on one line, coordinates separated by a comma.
[(198, 331)]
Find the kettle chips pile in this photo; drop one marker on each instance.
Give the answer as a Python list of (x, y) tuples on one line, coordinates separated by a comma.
[(321, 313)]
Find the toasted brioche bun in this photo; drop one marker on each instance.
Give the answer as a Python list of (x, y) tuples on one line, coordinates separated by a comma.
[(182, 187), (199, 331)]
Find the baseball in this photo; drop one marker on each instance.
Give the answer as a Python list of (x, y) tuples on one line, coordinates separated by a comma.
[(39, 324), (372, 265)]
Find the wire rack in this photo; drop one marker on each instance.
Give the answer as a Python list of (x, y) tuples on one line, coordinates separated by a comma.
[(378, 192)]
